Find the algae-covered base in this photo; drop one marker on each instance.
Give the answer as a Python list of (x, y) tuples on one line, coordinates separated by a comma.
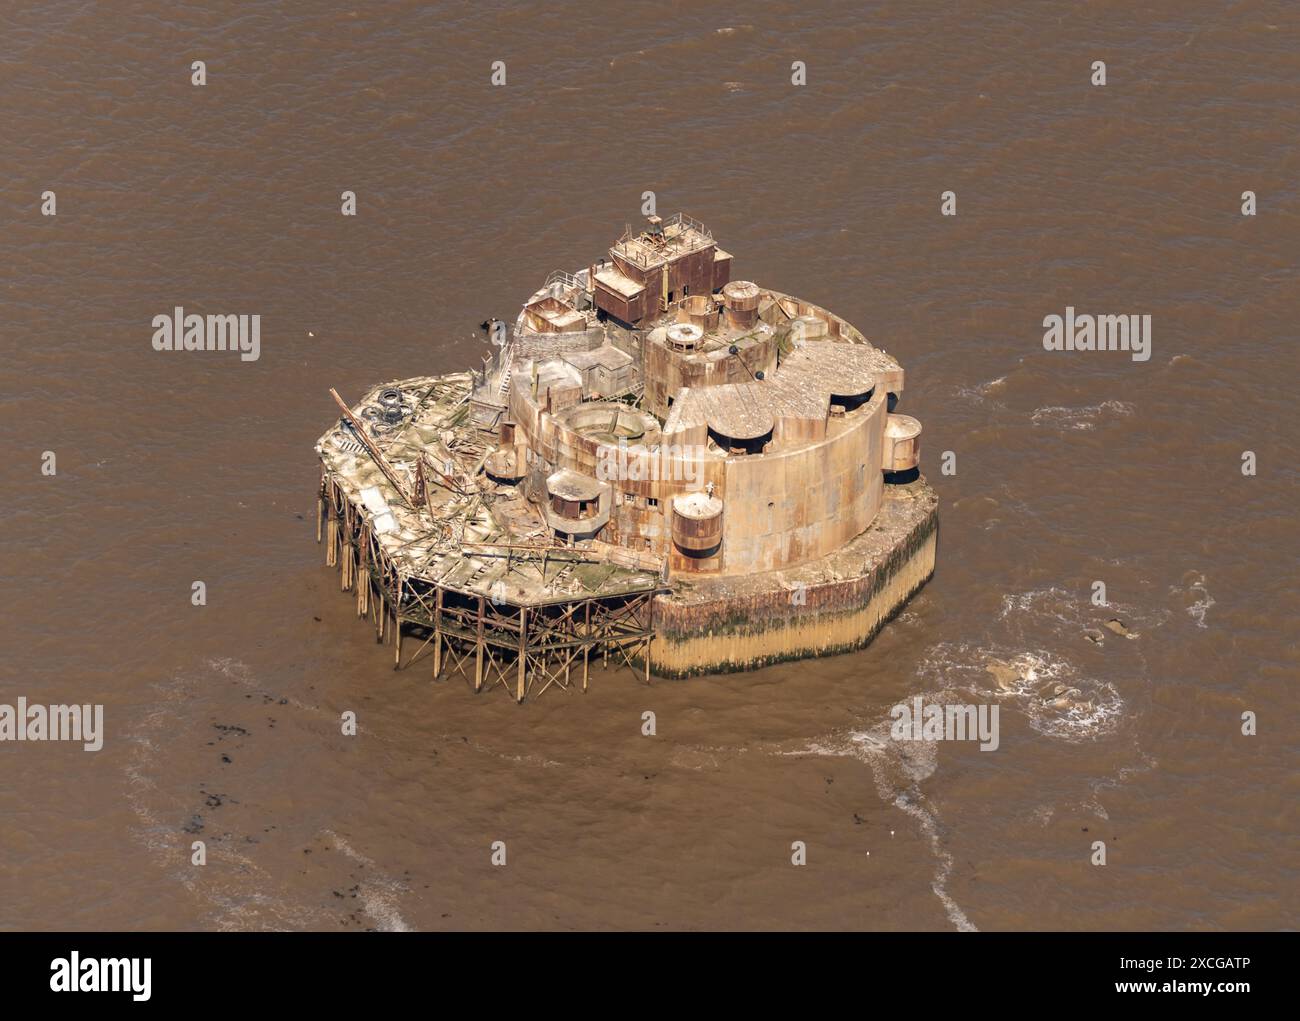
[(831, 605)]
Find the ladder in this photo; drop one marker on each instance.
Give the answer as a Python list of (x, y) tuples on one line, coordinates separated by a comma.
[(507, 359)]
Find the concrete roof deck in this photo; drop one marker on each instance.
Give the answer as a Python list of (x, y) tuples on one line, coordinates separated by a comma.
[(739, 411), (610, 277), (801, 387), (835, 367), (607, 357), (573, 486)]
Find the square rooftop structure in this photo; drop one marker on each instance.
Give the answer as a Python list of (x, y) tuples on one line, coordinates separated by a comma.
[(651, 270)]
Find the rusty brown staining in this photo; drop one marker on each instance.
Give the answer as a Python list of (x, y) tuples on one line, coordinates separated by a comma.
[(741, 623), (696, 523), (902, 443), (650, 421)]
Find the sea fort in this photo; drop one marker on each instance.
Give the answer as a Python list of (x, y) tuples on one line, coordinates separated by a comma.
[(647, 464)]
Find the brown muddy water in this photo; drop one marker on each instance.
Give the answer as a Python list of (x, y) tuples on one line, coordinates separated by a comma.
[(1072, 467)]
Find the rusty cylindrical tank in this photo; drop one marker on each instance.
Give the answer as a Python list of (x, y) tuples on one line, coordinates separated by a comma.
[(741, 300), (696, 523), (902, 447)]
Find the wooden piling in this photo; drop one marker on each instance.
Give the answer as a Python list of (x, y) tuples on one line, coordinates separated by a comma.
[(523, 653), (437, 634), (586, 645), (649, 639), (548, 638), (478, 651)]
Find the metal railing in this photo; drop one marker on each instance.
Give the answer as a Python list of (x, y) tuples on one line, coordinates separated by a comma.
[(649, 251), (558, 276)]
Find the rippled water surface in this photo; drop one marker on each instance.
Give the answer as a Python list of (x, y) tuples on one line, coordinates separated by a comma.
[(1071, 467)]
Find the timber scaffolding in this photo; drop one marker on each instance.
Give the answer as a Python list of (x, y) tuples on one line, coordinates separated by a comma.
[(519, 615)]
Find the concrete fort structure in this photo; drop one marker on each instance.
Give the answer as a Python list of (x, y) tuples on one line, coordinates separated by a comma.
[(656, 465)]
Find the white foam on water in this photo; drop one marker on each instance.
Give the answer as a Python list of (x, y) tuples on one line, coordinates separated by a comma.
[(1032, 664), (1084, 709), (1082, 418), (1057, 700), (1070, 613), (898, 768), (379, 894), (983, 392), (1201, 605), (1087, 707), (1145, 763), (526, 759), (927, 821), (1044, 686), (694, 757)]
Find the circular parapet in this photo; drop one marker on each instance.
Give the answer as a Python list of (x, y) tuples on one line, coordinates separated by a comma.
[(697, 523), (610, 422), (684, 336), (702, 311), (902, 448)]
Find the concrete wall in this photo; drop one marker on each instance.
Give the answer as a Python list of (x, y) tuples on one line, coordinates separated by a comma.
[(667, 371), (780, 508), (786, 507), (740, 632), (694, 273), (543, 346)]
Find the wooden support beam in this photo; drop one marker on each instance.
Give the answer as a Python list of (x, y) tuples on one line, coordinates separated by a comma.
[(446, 480), (545, 640), (437, 635), (373, 451), (478, 652), (650, 626), (523, 654), (586, 647)]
